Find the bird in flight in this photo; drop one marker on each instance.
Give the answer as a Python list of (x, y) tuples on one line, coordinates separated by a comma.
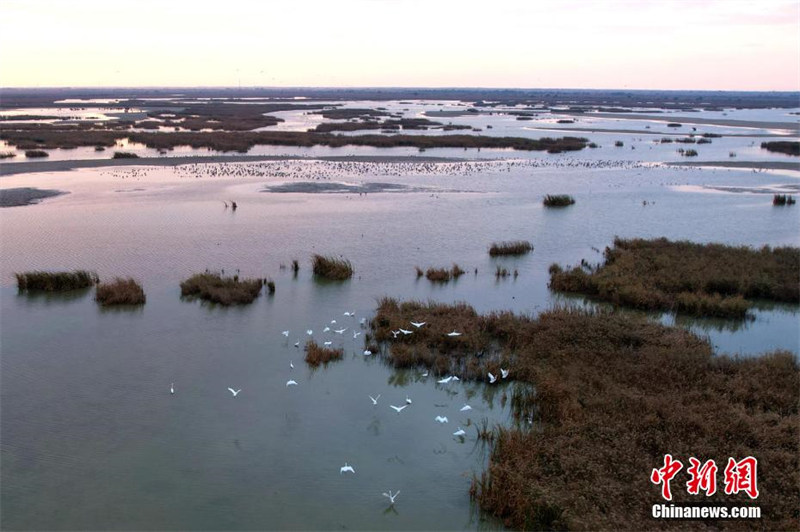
[(418, 324), (398, 409), (375, 399), (391, 497), (235, 392), (291, 383), (346, 469)]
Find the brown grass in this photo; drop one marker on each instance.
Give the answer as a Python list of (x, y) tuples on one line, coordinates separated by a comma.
[(515, 247), (333, 268), (782, 146), (442, 275), (215, 288), (316, 355), (609, 394), (55, 281), (697, 279), (120, 292)]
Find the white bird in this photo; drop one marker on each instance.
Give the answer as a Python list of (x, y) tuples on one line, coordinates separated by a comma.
[(285, 333), (492, 378), (398, 409), (454, 333), (297, 343), (367, 352), (408, 401), (333, 321), (405, 331), (350, 314), (234, 392), (356, 334), (459, 432), (425, 374), (291, 383), (340, 331), (363, 321), (375, 399), (390, 496), (395, 333), (326, 329), (445, 380), (465, 408), (504, 373), (172, 387), (291, 364), (327, 343), (441, 419), (346, 469), (418, 324), (455, 378), (309, 332)]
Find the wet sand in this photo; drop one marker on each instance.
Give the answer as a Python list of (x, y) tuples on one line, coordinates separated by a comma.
[(17, 197), (311, 187), (758, 165), (63, 166)]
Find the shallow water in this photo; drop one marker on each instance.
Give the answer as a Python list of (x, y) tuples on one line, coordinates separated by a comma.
[(91, 437)]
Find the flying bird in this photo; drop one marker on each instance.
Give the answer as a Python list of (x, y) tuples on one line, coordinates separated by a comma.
[(309, 332), (418, 324), (405, 331), (285, 333), (346, 469), (326, 344), (375, 399), (441, 419), (367, 352), (492, 378), (459, 432), (172, 387), (291, 383), (391, 497), (465, 408), (398, 409), (326, 329), (454, 333), (445, 380), (340, 331), (291, 364), (408, 401), (235, 392), (350, 314), (504, 373), (356, 334)]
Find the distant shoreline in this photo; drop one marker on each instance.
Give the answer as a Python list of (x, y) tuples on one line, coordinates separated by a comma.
[(759, 165)]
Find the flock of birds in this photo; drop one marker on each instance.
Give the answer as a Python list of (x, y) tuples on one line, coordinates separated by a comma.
[(347, 468)]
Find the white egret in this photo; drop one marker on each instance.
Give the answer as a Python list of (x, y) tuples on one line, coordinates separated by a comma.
[(356, 334), (172, 387), (346, 469), (459, 432), (492, 378), (291, 383), (395, 333), (309, 332), (418, 324), (297, 343), (441, 419), (285, 333), (454, 333), (398, 409), (375, 399), (465, 408), (455, 378), (326, 344), (425, 374), (235, 392), (340, 331), (391, 497), (408, 400), (504, 373), (367, 352), (333, 322), (445, 380), (405, 331), (350, 314), (326, 329), (291, 364)]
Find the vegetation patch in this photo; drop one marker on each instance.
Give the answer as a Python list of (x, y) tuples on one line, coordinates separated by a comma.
[(316, 355), (124, 155), (783, 146), (783, 199), (33, 154), (215, 288), (442, 275), (600, 398), (513, 247), (329, 267), (696, 279), (120, 292), (55, 281), (558, 200)]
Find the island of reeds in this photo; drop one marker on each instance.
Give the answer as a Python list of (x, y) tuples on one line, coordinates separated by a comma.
[(695, 279), (120, 292), (316, 354), (600, 397), (441, 275), (215, 288), (558, 200), (779, 200), (55, 281), (514, 247), (333, 268), (782, 146)]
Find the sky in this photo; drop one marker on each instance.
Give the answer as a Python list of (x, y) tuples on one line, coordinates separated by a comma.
[(646, 44)]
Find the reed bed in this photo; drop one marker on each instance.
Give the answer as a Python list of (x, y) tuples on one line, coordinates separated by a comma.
[(782, 146), (595, 388), (697, 279), (442, 275), (55, 281), (780, 200), (34, 154), (329, 267), (317, 355), (120, 292), (215, 288), (558, 200), (514, 247), (124, 155)]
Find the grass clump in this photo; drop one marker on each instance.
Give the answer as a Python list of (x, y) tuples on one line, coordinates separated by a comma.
[(783, 199), (332, 268), (55, 281), (33, 154), (215, 288), (120, 292), (514, 247), (783, 146), (586, 395), (697, 279), (316, 355), (443, 275), (7, 155), (558, 200), (124, 155)]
